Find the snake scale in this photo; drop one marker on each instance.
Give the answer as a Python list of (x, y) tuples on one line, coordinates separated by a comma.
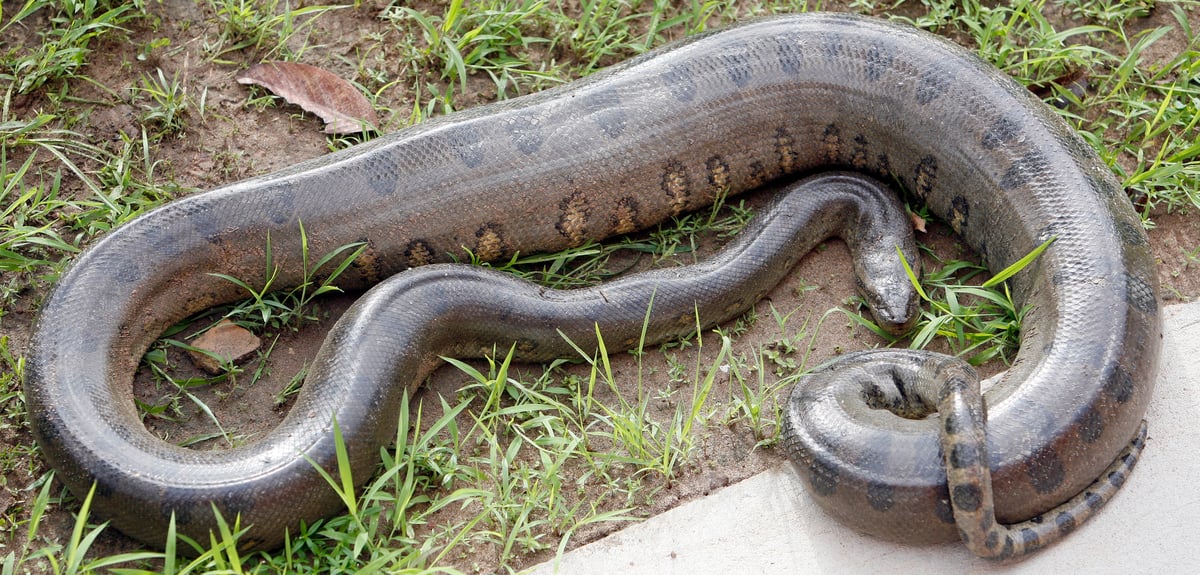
[(621, 150)]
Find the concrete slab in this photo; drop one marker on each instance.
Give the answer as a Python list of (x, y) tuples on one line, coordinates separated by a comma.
[(768, 524)]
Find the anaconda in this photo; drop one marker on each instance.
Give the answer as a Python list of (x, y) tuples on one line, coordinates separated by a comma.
[(621, 150)]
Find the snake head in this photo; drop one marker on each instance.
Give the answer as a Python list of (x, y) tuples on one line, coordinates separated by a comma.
[(893, 303), (883, 282)]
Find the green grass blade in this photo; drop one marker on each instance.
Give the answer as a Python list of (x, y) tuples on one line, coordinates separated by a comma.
[(1019, 265)]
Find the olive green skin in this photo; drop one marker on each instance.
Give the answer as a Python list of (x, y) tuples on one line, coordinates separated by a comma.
[(621, 150)]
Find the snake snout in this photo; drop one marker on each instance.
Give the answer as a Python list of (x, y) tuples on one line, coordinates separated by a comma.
[(893, 302), (893, 323), (899, 315)]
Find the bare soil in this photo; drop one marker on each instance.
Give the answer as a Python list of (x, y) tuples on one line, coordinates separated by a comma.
[(234, 140)]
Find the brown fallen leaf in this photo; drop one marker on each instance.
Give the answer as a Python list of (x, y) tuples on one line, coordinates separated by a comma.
[(344, 109), (918, 223)]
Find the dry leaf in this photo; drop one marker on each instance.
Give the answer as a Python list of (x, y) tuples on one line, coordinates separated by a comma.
[(918, 223), (344, 109)]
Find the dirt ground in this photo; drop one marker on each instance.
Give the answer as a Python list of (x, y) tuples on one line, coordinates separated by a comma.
[(234, 141)]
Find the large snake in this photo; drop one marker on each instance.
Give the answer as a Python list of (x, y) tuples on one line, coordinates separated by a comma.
[(623, 149)]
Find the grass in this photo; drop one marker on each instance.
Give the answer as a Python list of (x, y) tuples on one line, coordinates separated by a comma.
[(165, 103), (64, 46), (517, 462), (275, 28)]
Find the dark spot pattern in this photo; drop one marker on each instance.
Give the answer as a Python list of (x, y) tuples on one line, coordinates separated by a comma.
[(1105, 187), (605, 109), (206, 227), (831, 46), (680, 83), (860, 153), (525, 132), (625, 217), (368, 263), (489, 244), (881, 496), (831, 144), (718, 173), (466, 143), (1139, 441), (879, 60), (166, 240), (993, 536), (104, 489), (758, 174), (1119, 386), (931, 85), (128, 272), (526, 345), (1065, 522), (1045, 470), (1009, 547), (1033, 163), (382, 181), (182, 513), (984, 256), (1091, 425), (1031, 539), (737, 65), (46, 427), (574, 213), (281, 203), (575, 209), (418, 253), (785, 150), (382, 171), (960, 212), (925, 177), (676, 185), (791, 55), (823, 478), (883, 166), (1004, 130), (872, 395), (952, 423), (964, 455), (237, 503), (967, 497)]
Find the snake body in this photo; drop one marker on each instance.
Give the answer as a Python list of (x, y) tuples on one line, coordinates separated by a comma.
[(623, 149)]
